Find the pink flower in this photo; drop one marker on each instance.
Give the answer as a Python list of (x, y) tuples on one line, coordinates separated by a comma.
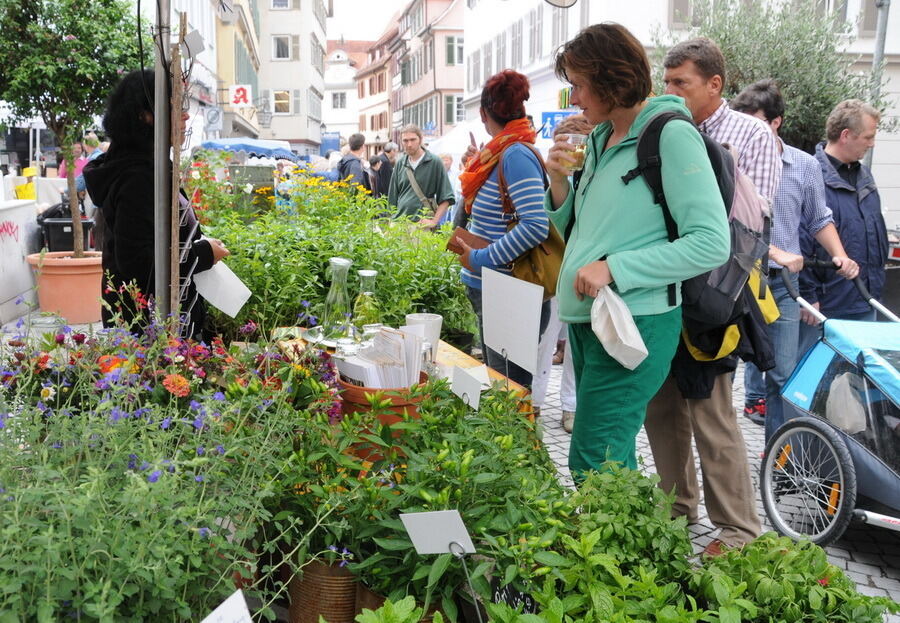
[(70, 38)]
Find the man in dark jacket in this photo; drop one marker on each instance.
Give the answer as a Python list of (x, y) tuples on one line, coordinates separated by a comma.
[(388, 157), (851, 194), (351, 165)]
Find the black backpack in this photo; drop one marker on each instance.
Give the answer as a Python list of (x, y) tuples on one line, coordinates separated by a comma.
[(712, 298)]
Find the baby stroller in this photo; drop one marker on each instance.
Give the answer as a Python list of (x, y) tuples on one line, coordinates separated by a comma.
[(837, 456)]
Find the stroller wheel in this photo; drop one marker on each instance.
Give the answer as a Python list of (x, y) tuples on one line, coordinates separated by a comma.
[(807, 481)]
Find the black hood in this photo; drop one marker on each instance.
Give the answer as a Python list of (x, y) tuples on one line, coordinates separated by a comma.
[(102, 174)]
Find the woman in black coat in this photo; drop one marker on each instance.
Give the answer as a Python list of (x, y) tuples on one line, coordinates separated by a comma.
[(121, 181)]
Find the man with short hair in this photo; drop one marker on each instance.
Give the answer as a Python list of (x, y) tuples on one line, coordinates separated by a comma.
[(851, 194), (799, 206), (350, 168), (695, 401), (419, 164), (387, 157)]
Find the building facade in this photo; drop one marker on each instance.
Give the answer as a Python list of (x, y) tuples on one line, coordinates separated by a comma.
[(341, 108), (374, 86), (238, 57), (292, 71), (431, 65)]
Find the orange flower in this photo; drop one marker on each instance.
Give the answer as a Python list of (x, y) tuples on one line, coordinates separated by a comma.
[(177, 385), (108, 363)]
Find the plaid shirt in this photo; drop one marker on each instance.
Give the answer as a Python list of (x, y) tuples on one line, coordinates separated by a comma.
[(799, 202), (754, 144)]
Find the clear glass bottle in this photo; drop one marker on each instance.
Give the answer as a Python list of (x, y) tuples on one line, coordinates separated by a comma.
[(365, 307), (336, 320)]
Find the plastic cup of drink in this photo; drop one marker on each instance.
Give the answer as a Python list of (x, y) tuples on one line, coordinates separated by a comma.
[(579, 141)]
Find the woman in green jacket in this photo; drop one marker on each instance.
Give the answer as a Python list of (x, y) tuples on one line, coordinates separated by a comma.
[(618, 238)]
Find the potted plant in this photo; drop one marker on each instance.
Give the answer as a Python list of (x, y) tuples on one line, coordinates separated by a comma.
[(61, 61)]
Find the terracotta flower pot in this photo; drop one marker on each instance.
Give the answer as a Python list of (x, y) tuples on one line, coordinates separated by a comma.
[(68, 286), (354, 400)]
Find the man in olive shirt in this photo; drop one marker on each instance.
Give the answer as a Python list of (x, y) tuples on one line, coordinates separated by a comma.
[(429, 173)]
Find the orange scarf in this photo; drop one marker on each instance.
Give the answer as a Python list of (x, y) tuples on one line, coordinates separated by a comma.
[(479, 167)]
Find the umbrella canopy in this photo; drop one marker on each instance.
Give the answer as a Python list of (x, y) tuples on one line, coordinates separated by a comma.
[(254, 147)]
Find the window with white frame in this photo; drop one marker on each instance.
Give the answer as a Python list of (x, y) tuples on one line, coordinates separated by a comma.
[(339, 99), (281, 4), (515, 45), (560, 27), (317, 54), (837, 8), (454, 50), (314, 101), (536, 33), (453, 109), (868, 22), (281, 47), (281, 102), (681, 14)]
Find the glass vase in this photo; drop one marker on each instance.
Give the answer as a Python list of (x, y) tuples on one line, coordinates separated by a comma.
[(336, 320), (365, 307)]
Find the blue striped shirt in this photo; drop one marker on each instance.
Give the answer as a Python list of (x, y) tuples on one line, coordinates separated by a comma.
[(525, 184), (799, 201)]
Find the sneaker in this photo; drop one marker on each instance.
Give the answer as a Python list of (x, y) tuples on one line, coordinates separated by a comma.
[(755, 411), (568, 421)]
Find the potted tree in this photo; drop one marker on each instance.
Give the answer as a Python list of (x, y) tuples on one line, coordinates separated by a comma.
[(61, 60)]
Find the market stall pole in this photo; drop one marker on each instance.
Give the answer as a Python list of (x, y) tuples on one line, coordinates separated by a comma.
[(162, 180)]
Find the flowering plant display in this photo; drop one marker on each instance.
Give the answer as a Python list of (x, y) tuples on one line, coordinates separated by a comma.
[(142, 477)]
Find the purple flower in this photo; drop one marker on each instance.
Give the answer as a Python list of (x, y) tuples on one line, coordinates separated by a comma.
[(199, 478), (204, 533), (153, 477), (201, 450), (145, 466), (220, 449), (116, 414), (20, 300), (304, 303), (219, 396), (198, 422), (56, 444), (313, 321), (195, 406), (20, 323), (248, 329), (132, 461), (66, 329), (60, 338)]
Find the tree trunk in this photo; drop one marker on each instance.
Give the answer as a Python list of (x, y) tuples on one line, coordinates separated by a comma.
[(77, 232)]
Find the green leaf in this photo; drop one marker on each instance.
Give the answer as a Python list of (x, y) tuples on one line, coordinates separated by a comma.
[(395, 545), (552, 559), (438, 567), (511, 572)]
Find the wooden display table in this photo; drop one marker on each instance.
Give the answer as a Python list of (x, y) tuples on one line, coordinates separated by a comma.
[(447, 357)]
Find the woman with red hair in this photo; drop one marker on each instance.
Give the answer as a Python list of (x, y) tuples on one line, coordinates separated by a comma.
[(512, 136)]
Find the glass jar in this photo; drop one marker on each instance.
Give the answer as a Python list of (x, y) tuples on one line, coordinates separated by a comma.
[(336, 320), (365, 308)]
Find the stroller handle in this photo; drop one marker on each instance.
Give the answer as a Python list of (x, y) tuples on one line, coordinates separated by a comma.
[(829, 265)]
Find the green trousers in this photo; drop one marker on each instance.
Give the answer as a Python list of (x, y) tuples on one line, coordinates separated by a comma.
[(612, 400)]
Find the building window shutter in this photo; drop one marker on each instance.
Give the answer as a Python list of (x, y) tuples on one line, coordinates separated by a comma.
[(362, 123), (295, 47), (449, 109), (451, 49), (296, 110), (266, 100)]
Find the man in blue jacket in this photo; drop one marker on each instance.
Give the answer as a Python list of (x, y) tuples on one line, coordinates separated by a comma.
[(851, 194)]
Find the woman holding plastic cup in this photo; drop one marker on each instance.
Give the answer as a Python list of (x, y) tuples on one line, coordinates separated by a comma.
[(617, 235)]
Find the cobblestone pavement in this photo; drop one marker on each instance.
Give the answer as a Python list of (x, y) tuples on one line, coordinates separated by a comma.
[(870, 556)]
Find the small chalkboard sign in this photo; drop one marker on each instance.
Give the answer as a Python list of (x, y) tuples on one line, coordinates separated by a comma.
[(512, 597)]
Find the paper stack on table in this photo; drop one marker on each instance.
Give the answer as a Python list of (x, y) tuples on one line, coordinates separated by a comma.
[(393, 360)]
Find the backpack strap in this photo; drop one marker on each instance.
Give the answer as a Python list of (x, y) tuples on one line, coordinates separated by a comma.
[(650, 167)]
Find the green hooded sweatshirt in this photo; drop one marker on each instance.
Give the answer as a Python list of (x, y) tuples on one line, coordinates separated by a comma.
[(621, 222)]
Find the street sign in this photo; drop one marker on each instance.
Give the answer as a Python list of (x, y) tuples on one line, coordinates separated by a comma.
[(549, 121), (240, 95), (213, 117)]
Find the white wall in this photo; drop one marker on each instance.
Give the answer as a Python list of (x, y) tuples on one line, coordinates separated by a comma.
[(339, 77), (18, 237)]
